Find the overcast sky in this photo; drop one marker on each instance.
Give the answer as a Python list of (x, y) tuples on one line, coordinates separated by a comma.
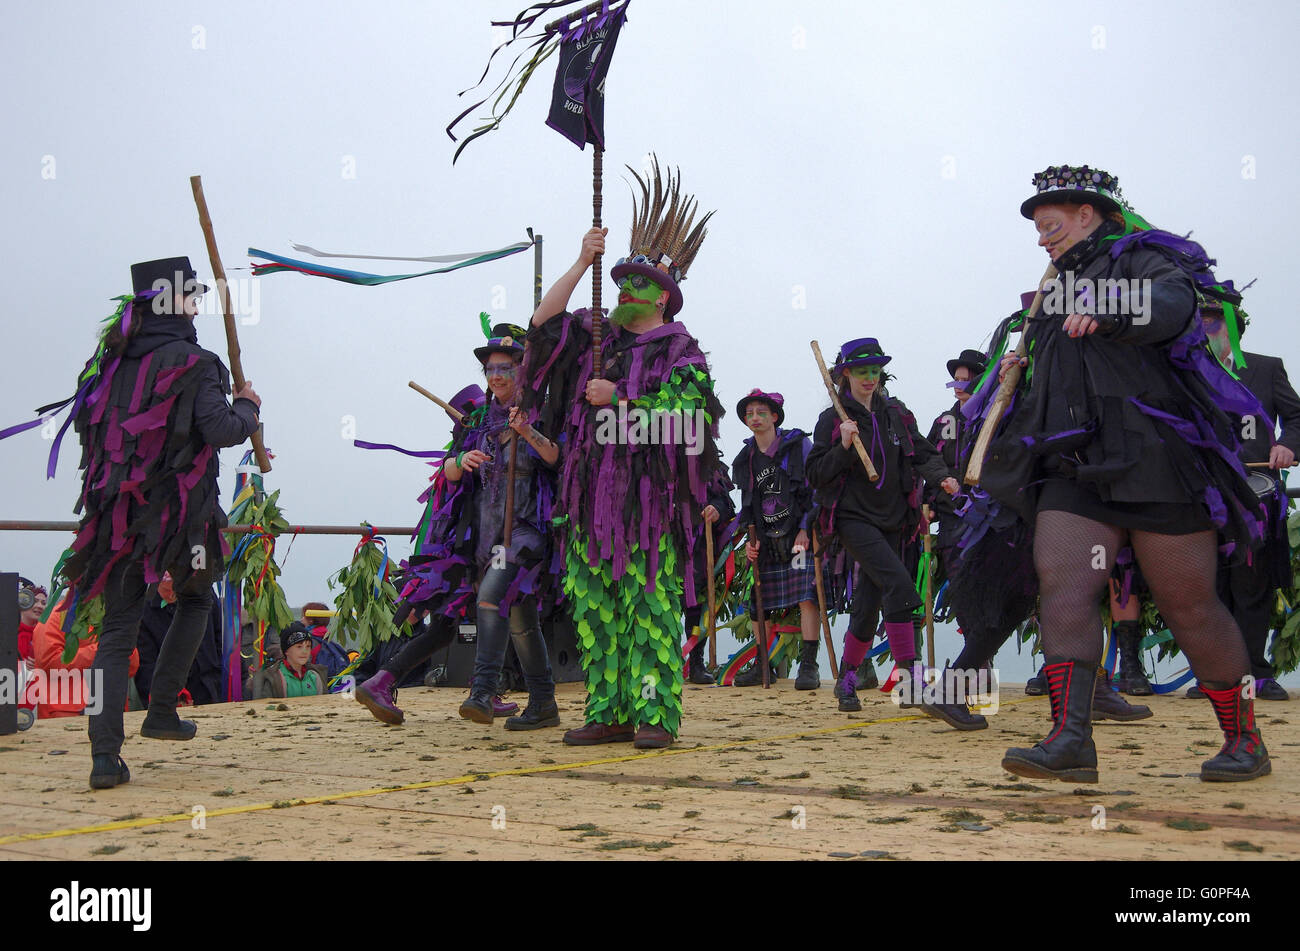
[(866, 161)]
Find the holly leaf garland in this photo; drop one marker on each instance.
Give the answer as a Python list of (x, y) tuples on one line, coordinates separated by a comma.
[(364, 608)]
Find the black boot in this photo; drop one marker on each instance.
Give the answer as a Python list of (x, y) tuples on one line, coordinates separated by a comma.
[(867, 678), (846, 690), (752, 676), (161, 723), (952, 706), (1109, 705), (1131, 677), (1036, 685), (1243, 755), (699, 673), (539, 713), (808, 678), (108, 770), (1067, 753)]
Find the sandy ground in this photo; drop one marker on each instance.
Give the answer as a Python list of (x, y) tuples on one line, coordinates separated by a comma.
[(776, 774)]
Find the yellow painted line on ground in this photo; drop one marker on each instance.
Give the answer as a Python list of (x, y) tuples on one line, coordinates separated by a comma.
[(454, 781)]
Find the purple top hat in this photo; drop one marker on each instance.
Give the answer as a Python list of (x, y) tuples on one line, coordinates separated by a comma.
[(775, 400), (468, 398), (865, 351)]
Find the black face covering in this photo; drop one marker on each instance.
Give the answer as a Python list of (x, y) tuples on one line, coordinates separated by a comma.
[(1086, 249)]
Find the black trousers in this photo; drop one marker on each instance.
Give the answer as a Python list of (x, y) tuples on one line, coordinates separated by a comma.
[(438, 633), (885, 583), (124, 597), (1247, 591)]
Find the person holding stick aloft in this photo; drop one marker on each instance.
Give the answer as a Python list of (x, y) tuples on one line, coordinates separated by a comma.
[(640, 420), (152, 415), (1118, 437), (776, 499), (876, 520)]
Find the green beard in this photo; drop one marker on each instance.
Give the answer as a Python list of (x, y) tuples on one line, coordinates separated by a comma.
[(625, 314)]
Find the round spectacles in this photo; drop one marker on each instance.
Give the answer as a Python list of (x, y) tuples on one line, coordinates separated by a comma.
[(639, 281)]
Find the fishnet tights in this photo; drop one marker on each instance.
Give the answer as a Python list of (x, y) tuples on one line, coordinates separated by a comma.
[(1074, 555)]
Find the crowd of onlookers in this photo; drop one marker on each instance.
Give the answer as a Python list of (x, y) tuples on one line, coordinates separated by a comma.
[(297, 661)]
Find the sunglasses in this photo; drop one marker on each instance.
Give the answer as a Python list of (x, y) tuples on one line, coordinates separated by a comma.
[(638, 281), (494, 369)]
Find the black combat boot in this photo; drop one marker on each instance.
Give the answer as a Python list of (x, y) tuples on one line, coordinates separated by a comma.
[(1067, 753), (1131, 677)]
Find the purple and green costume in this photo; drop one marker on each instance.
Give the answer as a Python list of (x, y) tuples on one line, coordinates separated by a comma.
[(634, 508)]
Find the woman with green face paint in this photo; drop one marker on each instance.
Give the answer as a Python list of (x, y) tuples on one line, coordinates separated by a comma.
[(635, 508), (876, 521)]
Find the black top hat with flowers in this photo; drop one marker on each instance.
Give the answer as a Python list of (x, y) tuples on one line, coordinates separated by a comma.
[(665, 235), (171, 275), (1067, 185), (774, 400)]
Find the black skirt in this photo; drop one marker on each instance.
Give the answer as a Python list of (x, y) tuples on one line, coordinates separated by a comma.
[(1160, 518)]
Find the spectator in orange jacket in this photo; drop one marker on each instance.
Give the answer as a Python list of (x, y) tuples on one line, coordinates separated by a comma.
[(48, 641)]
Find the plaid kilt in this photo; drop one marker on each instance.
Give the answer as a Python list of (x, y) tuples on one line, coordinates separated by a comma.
[(785, 587)]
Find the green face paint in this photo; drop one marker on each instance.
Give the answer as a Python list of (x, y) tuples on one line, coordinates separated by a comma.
[(635, 303), (869, 372)]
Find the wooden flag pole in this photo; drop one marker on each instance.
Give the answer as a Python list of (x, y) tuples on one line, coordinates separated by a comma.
[(1008, 386), (713, 609), (232, 334), (456, 414), (597, 170), (839, 408), (821, 604)]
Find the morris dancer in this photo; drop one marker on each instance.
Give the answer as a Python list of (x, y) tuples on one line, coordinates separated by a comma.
[(875, 521), (439, 580), (150, 430), (775, 498), (1248, 590), (1097, 452), (633, 497)]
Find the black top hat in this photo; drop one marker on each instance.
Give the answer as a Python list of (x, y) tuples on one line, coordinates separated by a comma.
[(972, 360), (1066, 185), (506, 338), (170, 275)]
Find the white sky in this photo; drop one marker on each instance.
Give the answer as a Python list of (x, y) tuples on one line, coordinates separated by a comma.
[(866, 161)]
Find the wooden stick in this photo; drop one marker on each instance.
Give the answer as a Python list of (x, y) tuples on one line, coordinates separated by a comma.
[(760, 625), (232, 334), (929, 590), (1008, 386), (821, 604), (713, 610), (456, 414), (597, 166), (1261, 465), (839, 408)]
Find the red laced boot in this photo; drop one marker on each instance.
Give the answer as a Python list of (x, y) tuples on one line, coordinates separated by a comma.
[(1243, 755)]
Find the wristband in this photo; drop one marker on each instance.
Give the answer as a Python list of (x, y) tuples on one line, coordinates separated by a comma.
[(458, 459)]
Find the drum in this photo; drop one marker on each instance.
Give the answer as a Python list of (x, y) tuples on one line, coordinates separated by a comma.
[(1263, 485)]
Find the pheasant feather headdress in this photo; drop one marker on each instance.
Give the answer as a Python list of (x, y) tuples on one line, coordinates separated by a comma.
[(665, 235)]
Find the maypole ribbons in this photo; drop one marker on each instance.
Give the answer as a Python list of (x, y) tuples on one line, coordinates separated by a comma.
[(280, 263)]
